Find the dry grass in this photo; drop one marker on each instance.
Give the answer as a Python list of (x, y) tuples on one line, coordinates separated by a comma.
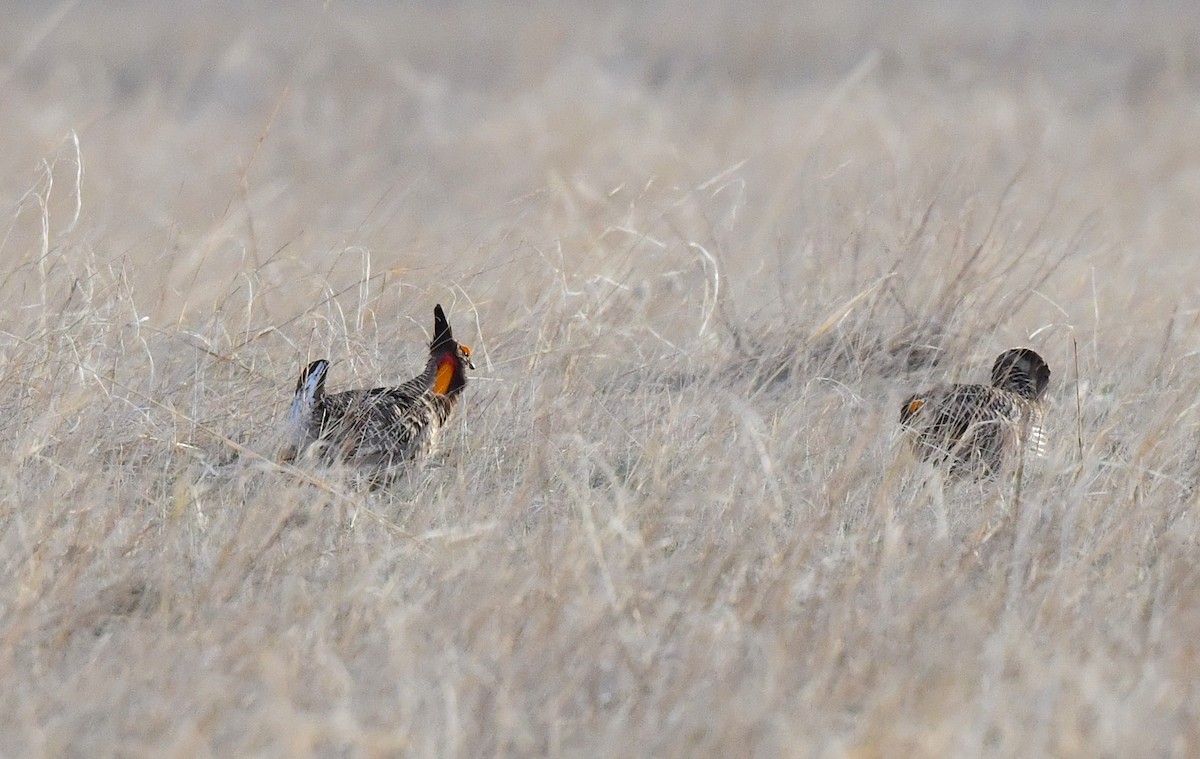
[(700, 252)]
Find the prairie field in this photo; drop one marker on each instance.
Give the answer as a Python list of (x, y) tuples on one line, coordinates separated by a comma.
[(701, 252)]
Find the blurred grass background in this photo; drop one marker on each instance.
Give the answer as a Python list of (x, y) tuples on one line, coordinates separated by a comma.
[(701, 252)]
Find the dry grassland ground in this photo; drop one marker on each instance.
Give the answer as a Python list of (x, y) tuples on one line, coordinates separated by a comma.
[(701, 252)]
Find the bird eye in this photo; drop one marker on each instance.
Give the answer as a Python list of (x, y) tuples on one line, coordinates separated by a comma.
[(914, 405), (464, 350)]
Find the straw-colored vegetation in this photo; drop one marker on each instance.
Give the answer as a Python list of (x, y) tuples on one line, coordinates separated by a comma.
[(701, 253)]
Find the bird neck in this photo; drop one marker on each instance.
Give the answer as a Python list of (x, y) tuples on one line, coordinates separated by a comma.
[(447, 373)]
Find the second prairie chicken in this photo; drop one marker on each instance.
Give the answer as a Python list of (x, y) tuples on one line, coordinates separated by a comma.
[(381, 427), (979, 430)]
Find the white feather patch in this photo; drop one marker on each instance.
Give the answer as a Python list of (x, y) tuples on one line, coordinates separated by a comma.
[(1037, 441)]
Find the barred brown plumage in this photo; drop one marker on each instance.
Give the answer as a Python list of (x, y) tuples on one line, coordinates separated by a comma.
[(382, 427), (978, 430)]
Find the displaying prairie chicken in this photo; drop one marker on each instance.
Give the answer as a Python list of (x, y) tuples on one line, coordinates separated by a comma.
[(979, 430), (384, 426)]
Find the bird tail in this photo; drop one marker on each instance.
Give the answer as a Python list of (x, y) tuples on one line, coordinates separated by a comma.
[(309, 389)]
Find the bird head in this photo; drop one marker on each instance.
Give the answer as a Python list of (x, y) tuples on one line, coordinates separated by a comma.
[(451, 358)]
